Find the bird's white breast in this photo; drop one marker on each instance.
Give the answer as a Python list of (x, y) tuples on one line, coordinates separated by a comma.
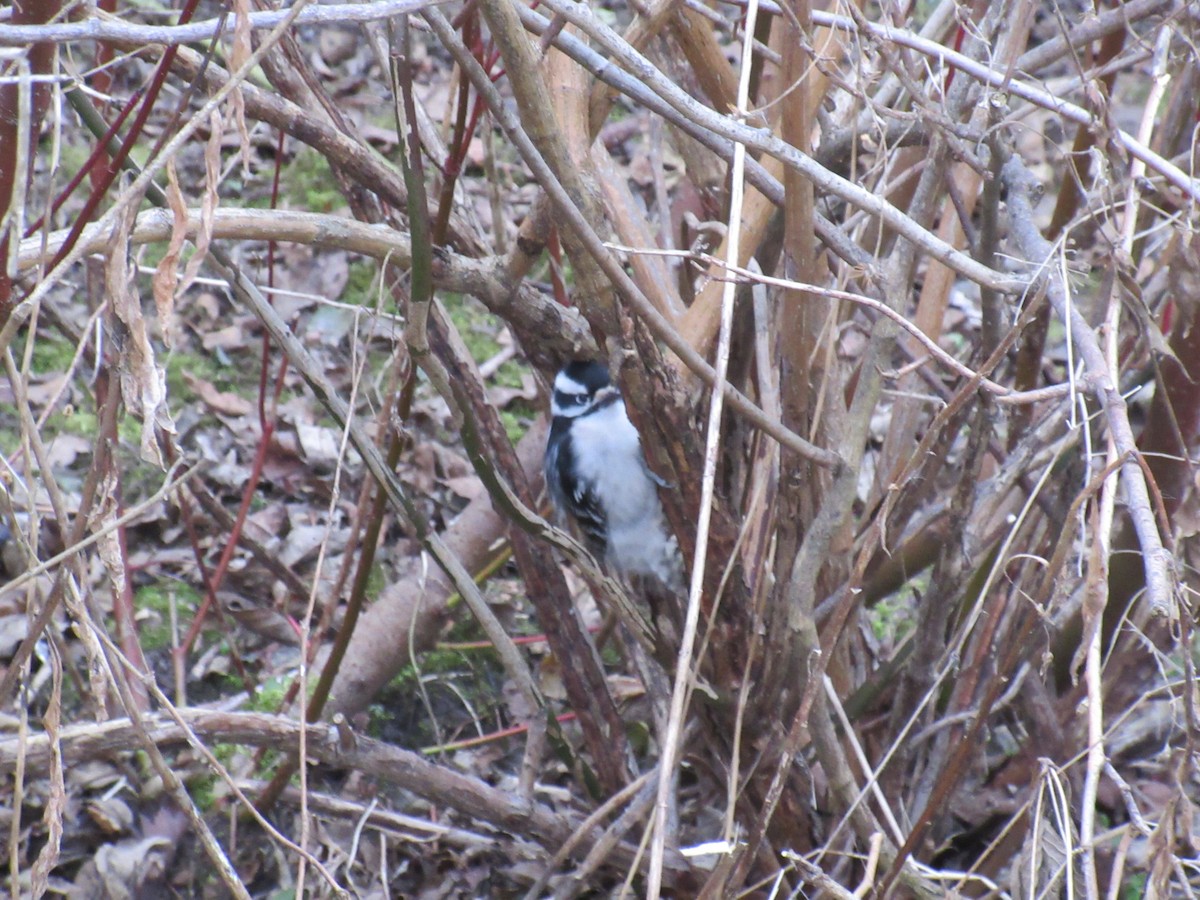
[(609, 457)]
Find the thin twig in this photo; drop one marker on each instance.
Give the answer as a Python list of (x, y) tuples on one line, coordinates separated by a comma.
[(765, 140), (712, 446), (1002, 393), (328, 744), (1157, 561), (106, 27)]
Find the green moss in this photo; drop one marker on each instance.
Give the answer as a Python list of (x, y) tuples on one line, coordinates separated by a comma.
[(72, 421), (639, 736), (891, 618), (150, 255), (129, 429), (923, 10), (71, 157), (434, 662), (511, 374), (203, 792), (403, 679), (205, 368), (475, 324), (361, 287), (270, 762), (459, 686), (257, 201), (611, 655), (52, 354), (310, 183), (1134, 888), (271, 693), (153, 605), (480, 330), (225, 681), (516, 421), (377, 580), (208, 790), (464, 630), (378, 717)]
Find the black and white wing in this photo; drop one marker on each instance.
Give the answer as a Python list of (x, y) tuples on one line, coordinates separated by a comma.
[(572, 495)]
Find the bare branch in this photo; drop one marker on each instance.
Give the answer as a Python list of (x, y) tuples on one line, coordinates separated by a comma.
[(550, 332), (106, 27), (661, 328), (1157, 561), (335, 745)]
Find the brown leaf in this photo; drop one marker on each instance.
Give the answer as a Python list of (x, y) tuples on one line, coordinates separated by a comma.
[(111, 814), (128, 868), (1162, 854), (624, 687), (227, 338), (239, 55), (13, 629), (549, 674), (1092, 611), (268, 522), (166, 274), (143, 381), (208, 205), (222, 402), (261, 620), (384, 137), (56, 795), (323, 274), (467, 487), (65, 449), (318, 444), (1135, 301), (303, 541)]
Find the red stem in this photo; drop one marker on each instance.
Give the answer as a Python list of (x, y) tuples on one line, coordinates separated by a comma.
[(99, 152)]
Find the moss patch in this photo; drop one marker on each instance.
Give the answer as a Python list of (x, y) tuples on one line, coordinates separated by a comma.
[(310, 183), (153, 605)]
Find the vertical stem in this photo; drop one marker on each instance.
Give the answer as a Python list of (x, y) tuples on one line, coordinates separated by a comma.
[(683, 664)]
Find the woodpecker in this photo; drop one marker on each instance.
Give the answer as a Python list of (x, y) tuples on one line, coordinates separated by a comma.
[(598, 477)]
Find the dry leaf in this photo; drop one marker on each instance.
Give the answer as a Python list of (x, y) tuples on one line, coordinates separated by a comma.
[(267, 522), (227, 338), (111, 814), (468, 487), (501, 396), (302, 542), (549, 674), (56, 795), (318, 444), (166, 274), (239, 55), (13, 629), (143, 381), (223, 403), (65, 449), (208, 205), (261, 620), (311, 273), (126, 869)]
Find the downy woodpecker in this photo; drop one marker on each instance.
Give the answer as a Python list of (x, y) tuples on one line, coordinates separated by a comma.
[(597, 475)]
